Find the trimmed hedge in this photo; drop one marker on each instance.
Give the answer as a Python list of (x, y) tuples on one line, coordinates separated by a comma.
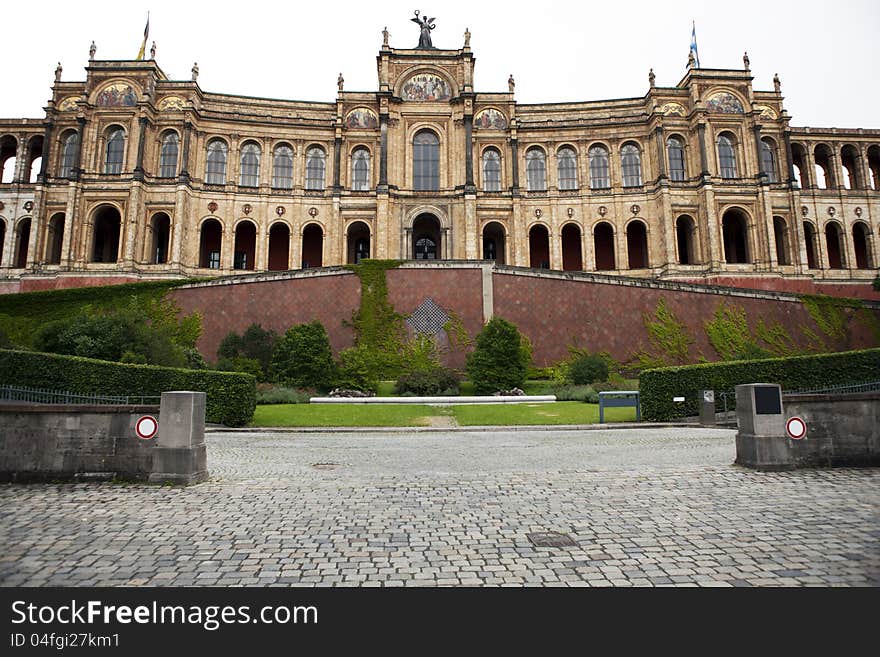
[(659, 386), (231, 396)]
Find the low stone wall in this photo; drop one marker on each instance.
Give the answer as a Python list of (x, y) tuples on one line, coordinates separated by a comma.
[(70, 442), (841, 429), (59, 442)]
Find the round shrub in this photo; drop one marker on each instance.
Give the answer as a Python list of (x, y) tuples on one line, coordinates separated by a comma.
[(302, 358), (588, 369), (427, 383), (500, 359)]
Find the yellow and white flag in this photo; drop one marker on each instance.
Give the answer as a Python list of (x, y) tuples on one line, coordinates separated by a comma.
[(143, 49)]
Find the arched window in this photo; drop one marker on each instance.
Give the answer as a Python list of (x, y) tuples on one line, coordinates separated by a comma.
[(675, 154), (536, 170), (250, 165), (566, 164), (315, 163), (114, 151), (360, 170), (215, 173), (769, 159), (726, 156), (168, 156), (631, 161), (599, 178), (491, 170), (68, 154), (282, 167), (426, 161)]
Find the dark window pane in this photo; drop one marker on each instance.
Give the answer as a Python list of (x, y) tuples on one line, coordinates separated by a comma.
[(168, 158), (631, 161), (426, 161), (282, 168), (567, 168), (115, 151), (315, 160), (491, 170)]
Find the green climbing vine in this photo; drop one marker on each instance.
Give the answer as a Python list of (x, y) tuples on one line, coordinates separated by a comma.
[(669, 338), (728, 331), (829, 313), (379, 331)]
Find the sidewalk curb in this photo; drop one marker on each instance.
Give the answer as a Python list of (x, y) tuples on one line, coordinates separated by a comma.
[(466, 429)]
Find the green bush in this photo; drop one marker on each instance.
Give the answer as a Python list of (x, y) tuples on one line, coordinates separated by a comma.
[(241, 364), (359, 369), (302, 358), (231, 397), (255, 344), (501, 358), (659, 386), (588, 369), (574, 393), (427, 383), (144, 330), (269, 394)]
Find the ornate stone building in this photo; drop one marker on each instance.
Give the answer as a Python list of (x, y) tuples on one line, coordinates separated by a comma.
[(133, 176)]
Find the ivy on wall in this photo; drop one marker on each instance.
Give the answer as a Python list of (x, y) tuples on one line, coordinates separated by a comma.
[(669, 338)]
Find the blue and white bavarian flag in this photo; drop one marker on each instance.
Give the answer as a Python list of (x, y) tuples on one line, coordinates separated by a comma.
[(694, 51)]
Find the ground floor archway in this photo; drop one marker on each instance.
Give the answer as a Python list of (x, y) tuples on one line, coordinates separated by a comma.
[(426, 236)]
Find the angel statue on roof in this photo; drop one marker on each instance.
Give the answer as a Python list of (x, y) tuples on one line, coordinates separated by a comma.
[(427, 24)]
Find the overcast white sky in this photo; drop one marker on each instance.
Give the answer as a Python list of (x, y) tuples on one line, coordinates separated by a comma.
[(826, 54)]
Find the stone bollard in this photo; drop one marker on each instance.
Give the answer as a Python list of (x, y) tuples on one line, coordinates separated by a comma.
[(707, 407), (761, 442), (180, 456)]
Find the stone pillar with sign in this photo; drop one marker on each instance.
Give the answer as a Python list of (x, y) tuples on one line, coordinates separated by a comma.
[(761, 442), (707, 407), (180, 456)]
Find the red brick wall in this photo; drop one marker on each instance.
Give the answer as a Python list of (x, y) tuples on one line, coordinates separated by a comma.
[(555, 313), (275, 305), (858, 290), (65, 282), (456, 290)]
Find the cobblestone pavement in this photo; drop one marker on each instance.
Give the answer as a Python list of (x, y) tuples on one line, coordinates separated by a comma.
[(644, 508)]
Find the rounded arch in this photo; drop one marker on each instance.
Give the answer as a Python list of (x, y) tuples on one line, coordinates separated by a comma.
[(599, 155), (811, 236), (802, 174), (8, 158), (834, 245), (245, 244), (68, 142), (427, 237), (426, 160), (539, 245), (874, 167), (3, 231), (567, 167), (121, 92), (536, 168), (686, 239), (22, 241), (861, 236), (169, 145), (361, 157), (735, 232), (494, 235), (726, 146), (603, 246), (312, 245), (106, 233), (851, 163), (279, 246), (115, 138), (210, 242), (781, 238), (427, 209), (216, 152), (770, 159), (824, 168), (316, 166), (358, 235), (571, 237), (491, 163), (676, 156), (160, 227), (631, 163), (637, 244), (250, 154)]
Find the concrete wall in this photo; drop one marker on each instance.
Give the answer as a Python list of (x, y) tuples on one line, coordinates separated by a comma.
[(841, 429), (62, 442)]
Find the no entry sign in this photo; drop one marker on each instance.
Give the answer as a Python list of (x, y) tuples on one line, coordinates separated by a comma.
[(146, 427), (796, 428)]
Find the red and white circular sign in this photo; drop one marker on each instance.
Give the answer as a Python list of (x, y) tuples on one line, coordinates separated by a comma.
[(796, 428), (146, 427)]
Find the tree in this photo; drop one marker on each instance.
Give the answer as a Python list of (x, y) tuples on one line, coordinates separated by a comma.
[(302, 358), (255, 344), (501, 358)]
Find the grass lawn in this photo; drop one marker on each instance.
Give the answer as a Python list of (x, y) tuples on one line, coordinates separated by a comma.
[(343, 415), (555, 413), (415, 415)]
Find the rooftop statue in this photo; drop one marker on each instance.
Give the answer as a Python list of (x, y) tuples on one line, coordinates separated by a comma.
[(427, 24)]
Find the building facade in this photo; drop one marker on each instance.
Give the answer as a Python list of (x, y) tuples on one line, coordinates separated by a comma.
[(132, 176)]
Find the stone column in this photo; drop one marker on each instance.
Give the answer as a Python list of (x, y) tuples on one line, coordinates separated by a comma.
[(383, 154), (704, 159), (469, 187), (763, 176), (184, 178), (139, 165), (19, 175), (514, 167), (337, 152), (44, 161), (180, 455), (789, 157)]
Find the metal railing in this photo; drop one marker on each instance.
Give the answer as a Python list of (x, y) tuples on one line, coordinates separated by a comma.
[(9, 393), (727, 398)]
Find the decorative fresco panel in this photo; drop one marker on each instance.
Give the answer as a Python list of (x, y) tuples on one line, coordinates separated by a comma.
[(172, 103), (117, 95), (673, 109), (426, 87), (361, 118), (490, 119), (68, 104), (724, 103)]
